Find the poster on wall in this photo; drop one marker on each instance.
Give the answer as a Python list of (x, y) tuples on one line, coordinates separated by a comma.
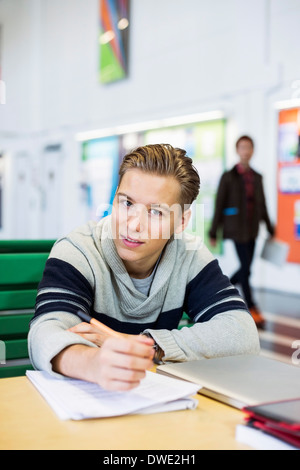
[(288, 171), (100, 165), (113, 40), (204, 142)]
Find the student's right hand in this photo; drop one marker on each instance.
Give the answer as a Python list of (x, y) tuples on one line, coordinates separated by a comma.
[(121, 363)]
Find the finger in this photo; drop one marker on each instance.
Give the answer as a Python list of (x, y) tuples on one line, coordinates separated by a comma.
[(117, 378), (144, 339), (83, 328), (130, 363), (117, 385), (115, 355), (123, 363), (132, 347), (93, 338), (127, 375), (147, 341)]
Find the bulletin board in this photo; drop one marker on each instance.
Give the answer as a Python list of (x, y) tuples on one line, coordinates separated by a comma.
[(288, 181), (99, 175)]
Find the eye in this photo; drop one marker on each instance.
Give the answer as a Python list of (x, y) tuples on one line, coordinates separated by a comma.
[(125, 202), (156, 212)]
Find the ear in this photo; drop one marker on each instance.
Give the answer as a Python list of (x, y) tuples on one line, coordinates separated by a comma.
[(185, 218)]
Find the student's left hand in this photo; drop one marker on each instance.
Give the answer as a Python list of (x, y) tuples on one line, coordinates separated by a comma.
[(90, 333)]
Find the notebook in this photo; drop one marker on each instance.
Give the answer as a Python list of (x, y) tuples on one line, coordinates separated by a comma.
[(279, 419), (239, 380), (77, 399), (271, 426)]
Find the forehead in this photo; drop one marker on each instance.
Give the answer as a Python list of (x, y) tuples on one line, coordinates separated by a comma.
[(245, 143), (149, 188)]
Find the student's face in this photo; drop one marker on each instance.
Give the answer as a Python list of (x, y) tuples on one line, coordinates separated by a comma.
[(245, 151), (146, 213)]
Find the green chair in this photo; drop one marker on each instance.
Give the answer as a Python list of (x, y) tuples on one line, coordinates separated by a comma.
[(22, 264), (185, 321)]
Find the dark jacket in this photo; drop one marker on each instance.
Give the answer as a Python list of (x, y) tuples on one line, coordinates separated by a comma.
[(230, 208)]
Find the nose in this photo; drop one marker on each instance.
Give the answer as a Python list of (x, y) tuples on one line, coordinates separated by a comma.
[(137, 219)]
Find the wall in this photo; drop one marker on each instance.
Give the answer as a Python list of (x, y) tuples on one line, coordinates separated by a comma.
[(185, 57)]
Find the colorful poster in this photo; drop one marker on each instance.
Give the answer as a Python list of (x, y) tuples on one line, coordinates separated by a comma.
[(113, 39), (100, 165), (204, 142), (288, 172)]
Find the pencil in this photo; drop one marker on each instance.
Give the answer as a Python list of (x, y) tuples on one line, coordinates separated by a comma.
[(101, 327)]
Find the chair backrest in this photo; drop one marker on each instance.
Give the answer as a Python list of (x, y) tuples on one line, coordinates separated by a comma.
[(22, 264), (185, 321)]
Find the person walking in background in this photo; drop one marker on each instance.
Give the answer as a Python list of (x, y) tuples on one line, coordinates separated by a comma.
[(239, 208)]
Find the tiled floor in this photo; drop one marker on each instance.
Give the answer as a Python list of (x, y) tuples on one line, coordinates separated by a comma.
[(280, 338)]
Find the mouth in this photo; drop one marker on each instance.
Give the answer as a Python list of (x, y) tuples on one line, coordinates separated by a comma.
[(131, 242)]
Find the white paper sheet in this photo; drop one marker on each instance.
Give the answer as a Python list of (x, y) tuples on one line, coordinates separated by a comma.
[(77, 399)]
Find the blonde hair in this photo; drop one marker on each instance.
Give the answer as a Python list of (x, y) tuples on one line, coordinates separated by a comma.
[(165, 160)]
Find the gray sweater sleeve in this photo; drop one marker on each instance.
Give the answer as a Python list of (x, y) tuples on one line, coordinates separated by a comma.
[(49, 335), (226, 334)]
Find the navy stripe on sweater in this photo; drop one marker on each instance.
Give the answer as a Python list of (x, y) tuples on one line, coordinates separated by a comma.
[(210, 293), (64, 288), (166, 320)]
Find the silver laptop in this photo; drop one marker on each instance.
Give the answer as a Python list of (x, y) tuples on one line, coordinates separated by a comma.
[(239, 380)]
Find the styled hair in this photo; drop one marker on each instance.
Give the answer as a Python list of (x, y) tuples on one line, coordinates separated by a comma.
[(165, 160), (244, 137)]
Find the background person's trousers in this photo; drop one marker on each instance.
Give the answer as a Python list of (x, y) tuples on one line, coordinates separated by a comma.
[(245, 253)]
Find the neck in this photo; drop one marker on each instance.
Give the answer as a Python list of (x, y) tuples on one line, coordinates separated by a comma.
[(244, 165), (140, 269)]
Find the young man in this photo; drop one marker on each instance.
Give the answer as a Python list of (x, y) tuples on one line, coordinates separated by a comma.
[(137, 271), (240, 206)]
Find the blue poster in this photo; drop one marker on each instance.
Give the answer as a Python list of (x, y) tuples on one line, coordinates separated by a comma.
[(100, 174)]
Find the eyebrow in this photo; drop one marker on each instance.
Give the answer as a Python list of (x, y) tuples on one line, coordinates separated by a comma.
[(152, 205)]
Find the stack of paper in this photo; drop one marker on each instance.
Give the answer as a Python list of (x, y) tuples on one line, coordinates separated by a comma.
[(77, 399), (259, 440)]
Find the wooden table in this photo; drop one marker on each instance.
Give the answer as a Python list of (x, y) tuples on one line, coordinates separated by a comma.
[(28, 422)]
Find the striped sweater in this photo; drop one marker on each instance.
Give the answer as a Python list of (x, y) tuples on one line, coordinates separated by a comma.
[(84, 271)]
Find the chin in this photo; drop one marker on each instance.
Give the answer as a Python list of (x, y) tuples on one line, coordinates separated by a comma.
[(126, 254)]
